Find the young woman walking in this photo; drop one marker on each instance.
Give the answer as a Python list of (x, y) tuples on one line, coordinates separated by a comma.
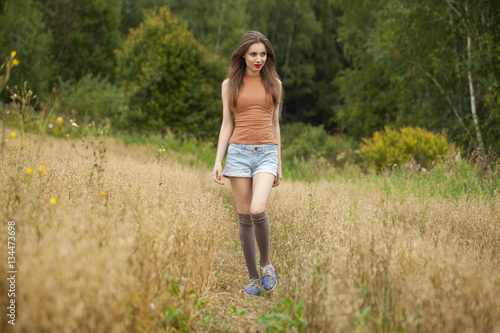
[(252, 93)]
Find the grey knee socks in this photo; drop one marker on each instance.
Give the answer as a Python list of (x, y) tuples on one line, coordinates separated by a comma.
[(261, 231), (247, 239)]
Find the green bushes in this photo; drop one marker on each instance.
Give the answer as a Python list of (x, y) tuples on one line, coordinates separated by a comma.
[(170, 79), (92, 98), (391, 147), (303, 142), (309, 152)]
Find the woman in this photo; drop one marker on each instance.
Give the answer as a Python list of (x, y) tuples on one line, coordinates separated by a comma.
[(252, 93)]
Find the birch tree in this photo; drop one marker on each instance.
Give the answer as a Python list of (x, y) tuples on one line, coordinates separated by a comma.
[(429, 63)]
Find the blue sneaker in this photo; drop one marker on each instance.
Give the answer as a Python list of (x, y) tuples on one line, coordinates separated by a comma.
[(268, 277), (253, 287)]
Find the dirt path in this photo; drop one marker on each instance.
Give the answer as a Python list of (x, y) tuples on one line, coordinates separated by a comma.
[(229, 308)]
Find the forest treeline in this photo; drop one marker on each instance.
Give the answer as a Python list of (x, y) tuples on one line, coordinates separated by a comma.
[(351, 67)]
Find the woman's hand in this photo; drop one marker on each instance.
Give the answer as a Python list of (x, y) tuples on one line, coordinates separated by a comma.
[(217, 173), (279, 177)]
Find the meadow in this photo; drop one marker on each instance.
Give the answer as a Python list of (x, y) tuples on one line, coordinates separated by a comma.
[(115, 237)]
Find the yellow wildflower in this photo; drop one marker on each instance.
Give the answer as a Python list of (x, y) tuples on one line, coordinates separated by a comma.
[(41, 169), (13, 54), (13, 134), (15, 62), (53, 201), (102, 193), (29, 171), (60, 120), (159, 150)]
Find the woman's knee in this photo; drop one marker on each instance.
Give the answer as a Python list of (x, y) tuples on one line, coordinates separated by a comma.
[(258, 209)]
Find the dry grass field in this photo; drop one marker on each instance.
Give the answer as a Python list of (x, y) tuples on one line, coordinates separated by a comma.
[(115, 238)]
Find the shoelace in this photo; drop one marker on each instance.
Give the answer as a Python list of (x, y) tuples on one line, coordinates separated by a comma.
[(266, 271), (253, 283)]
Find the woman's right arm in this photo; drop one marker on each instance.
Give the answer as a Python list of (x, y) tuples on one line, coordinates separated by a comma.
[(225, 134)]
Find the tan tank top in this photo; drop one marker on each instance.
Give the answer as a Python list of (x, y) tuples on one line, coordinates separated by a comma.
[(254, 114)]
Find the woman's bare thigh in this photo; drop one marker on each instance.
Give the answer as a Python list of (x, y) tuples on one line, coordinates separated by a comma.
[(242, 190)]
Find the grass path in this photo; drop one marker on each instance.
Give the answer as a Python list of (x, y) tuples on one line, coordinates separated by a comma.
[(139, 242)]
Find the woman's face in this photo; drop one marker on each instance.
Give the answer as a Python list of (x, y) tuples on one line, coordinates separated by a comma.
[(255, 58)]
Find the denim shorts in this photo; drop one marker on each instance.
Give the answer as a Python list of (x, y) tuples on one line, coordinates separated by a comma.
[(249, 160)]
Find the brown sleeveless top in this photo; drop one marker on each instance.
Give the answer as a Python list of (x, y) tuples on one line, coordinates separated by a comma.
[(253, 114)]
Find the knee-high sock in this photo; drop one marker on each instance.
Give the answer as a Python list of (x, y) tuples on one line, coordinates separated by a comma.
[(262, 233), (247, 239)]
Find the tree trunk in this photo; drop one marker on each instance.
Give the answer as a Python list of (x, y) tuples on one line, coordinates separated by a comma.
[(469, 73), (289, 44), (471, 85), (219, 27), (473, 97)]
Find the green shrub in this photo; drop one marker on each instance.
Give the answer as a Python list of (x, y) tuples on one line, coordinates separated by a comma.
[(170, 79), (392, 147), (304, 142), (310, 153), (92, 98)]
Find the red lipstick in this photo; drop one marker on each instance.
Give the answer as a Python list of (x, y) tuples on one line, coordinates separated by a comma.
[(258, 65)]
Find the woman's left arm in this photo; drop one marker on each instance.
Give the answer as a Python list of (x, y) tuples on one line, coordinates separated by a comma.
[(277, 135)]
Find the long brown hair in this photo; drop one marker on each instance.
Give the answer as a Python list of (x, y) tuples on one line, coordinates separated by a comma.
[(268, 72)]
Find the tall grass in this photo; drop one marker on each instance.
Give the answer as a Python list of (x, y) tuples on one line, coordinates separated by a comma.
[(119, 252), (141, 241), (362, 259)]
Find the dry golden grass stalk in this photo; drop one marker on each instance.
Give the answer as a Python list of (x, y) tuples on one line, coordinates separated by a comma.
[(114, 254), (415, 264)]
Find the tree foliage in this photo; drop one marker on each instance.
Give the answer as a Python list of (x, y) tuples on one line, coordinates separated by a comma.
[(217, 24), (170, 79), (132, 15), (303, 34), (23, 29), (86, 33), (429, 63)]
